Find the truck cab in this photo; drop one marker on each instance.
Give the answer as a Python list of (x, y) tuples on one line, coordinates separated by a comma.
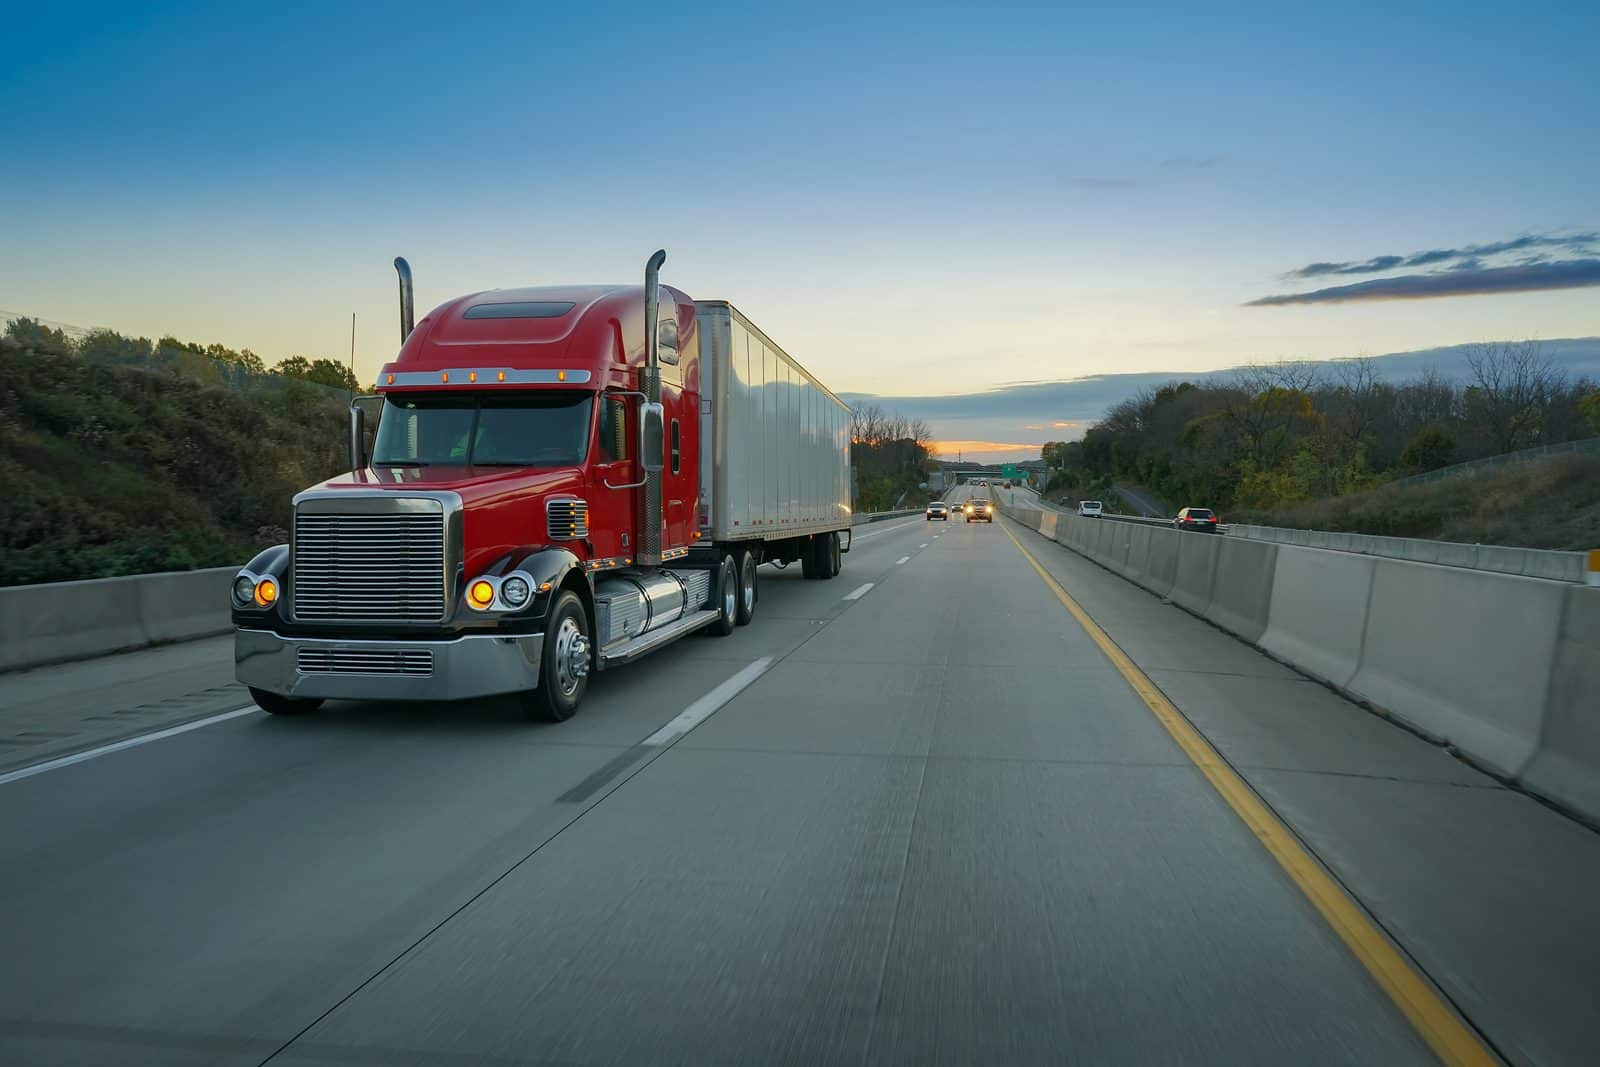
[(530, 509)]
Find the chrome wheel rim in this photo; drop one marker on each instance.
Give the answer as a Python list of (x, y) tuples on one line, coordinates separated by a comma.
[(728, 600), (572, 656), (747, 591)]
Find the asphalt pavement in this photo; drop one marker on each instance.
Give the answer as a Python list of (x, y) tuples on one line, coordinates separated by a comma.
[(916, 817)]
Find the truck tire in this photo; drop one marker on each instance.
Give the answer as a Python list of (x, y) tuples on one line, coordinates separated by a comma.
[(564, 665), (821, 556), (744, 562), (726, 599), (808, 559), (274, 704), (835, 555)]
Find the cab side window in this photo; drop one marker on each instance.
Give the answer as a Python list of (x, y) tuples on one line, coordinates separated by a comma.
[(614, 428)]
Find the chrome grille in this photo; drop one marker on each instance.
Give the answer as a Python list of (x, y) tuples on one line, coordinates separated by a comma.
[(568, 520), (370, 566), (412, 661)]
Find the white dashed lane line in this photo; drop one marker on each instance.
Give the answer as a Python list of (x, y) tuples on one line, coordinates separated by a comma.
[(861, 591)]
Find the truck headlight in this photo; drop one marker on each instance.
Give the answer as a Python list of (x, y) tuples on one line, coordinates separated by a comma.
[(515, 592), (244, 590), (480, 594)]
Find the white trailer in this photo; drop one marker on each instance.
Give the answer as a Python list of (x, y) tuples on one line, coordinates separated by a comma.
[(775, 460)]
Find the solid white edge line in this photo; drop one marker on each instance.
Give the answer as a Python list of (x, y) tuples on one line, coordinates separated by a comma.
[(861, 591), (901, 560), (708, 705), (118, 746)]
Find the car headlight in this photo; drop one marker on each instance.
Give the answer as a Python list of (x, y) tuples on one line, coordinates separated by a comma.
[(515, 592), (244, 590)]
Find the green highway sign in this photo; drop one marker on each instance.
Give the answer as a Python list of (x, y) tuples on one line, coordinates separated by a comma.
[(1009, 470)]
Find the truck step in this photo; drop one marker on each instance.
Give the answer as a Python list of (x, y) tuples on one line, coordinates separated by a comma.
[(651, 640)]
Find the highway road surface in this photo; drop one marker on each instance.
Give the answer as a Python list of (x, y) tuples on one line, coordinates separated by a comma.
[(913, 815)]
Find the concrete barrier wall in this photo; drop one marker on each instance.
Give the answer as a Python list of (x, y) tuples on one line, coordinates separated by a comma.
[(1241, 591), (1530, 562), (1464, 656), (1161, 566), (1566, 766), (1197, 568), (1504, 668), (1318, 613), (60, 621), (1138, 552)]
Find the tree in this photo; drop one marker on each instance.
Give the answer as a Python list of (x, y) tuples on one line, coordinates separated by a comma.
[(1589, 406), (293, 367), (1430, 449), (1512, 382)]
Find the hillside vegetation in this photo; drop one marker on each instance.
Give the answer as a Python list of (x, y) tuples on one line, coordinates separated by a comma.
[(123, 456), (1282, 441), (1547, 503)]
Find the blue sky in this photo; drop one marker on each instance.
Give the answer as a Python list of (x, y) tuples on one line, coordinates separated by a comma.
[(914, 200)]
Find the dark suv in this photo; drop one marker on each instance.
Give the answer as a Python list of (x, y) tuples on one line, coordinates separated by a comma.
[(1202, 519), (979, 511)]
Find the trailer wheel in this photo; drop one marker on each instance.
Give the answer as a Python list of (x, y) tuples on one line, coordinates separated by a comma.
[(279, 705), (808, 559), (745, 567), (819, 556), (726, 599), (564, 666), (835, 555)]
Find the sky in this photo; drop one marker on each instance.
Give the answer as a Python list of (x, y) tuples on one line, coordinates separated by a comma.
[(923, 200)]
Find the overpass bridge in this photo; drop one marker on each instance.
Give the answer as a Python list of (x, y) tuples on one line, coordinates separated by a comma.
[(988, 800)]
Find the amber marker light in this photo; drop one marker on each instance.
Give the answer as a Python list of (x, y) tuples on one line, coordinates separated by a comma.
[(391, 379), (266, 592), (501, 376), (561, 375), (444, 376), (472, 376), (480, 594)]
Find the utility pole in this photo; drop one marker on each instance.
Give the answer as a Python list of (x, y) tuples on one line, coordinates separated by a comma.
[(352, 349)]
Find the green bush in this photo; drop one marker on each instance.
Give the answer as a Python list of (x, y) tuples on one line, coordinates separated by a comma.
[(120, 457)]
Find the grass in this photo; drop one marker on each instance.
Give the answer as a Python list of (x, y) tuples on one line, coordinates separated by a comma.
[(1549, 503)]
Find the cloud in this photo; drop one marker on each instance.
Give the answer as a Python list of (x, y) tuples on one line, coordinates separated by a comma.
[(1470, 280), (1577, 243)]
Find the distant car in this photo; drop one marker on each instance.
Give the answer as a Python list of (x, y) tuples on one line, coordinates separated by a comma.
[(938, 509), (1089, 509), (1202, 519), (979, 511), (1005, 485)]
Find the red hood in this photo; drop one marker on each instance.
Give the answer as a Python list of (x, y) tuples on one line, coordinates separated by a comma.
[(475, 485)]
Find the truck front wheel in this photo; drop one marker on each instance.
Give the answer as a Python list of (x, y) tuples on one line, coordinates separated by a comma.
[(564, 667), (279, 705)]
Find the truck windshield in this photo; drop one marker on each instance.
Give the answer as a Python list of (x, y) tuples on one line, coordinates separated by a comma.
[(549, 429)]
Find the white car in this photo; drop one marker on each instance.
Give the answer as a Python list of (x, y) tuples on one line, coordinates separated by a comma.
[(1089, 509)]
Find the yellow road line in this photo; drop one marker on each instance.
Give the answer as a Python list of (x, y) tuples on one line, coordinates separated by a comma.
[(1451, 1039)]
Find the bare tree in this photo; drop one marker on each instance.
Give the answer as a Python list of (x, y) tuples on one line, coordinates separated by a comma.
[(1513, 382)]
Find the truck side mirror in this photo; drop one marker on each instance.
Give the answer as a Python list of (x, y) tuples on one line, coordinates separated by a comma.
[(652, 437), (358, 432)]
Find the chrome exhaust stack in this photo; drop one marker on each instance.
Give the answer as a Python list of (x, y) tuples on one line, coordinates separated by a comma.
[(408, 318), (649, 551)]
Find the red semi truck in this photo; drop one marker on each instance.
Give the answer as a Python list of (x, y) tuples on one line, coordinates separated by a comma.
[(561, 480)]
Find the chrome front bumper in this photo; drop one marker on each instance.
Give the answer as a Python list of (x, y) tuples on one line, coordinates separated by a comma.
[(465, 667)]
